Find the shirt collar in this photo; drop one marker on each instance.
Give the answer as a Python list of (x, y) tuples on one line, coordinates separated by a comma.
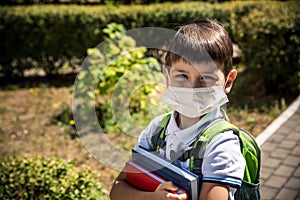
[(189, 134)]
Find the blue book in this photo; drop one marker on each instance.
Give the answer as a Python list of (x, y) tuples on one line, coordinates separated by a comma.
[(182, 178)]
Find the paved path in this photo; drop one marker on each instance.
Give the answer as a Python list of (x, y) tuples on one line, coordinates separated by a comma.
[(280, 145)]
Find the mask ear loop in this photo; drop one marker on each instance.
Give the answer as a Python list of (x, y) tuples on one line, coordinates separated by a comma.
[(224, 86), (167, 72), (222, 108)]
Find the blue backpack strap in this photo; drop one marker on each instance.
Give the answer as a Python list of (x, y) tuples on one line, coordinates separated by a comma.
[(158, 137)]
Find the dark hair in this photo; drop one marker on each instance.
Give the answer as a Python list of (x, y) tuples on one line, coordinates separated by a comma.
[(201, 41)]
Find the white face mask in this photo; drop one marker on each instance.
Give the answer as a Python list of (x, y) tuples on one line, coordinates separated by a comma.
[(195, 102)]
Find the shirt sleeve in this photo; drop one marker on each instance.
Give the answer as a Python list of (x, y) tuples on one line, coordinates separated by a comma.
[(223, 161), (146, 134)]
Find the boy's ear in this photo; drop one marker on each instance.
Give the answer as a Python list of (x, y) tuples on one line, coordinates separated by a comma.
[(230, 79)]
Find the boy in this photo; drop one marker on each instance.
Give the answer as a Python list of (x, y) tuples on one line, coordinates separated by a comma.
[(198, 75)]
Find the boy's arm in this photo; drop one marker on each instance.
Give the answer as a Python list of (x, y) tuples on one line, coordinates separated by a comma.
[(122, 190), (210, 191)]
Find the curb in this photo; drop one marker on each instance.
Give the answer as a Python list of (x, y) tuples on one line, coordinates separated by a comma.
[(272, 128)]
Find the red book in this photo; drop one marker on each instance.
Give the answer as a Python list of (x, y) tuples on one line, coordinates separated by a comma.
[(143, 179)]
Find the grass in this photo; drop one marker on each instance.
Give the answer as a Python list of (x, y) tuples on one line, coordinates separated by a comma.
[(35, 121)]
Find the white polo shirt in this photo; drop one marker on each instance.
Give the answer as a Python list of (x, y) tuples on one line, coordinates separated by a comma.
[(223, 162)]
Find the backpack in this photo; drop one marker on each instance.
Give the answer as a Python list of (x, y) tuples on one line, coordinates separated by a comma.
[(250, 187)]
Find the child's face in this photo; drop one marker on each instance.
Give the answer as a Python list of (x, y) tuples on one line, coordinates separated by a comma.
[(206, 74)]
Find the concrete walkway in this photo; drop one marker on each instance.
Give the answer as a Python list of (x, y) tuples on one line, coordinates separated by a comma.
[(280, 145)]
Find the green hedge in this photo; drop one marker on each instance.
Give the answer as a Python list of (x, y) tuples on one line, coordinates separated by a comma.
[(52, 35), (40, 178), (49, 36), (269, 36), (93, 2)]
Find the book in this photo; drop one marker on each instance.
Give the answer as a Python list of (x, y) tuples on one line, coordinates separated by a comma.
[(143, 179), (182, 178)]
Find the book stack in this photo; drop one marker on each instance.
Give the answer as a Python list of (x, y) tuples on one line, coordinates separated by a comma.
[(147, 170)]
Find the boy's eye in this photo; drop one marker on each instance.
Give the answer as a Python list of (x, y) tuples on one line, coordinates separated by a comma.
[(205, 78), (208, 78), (181, 76)]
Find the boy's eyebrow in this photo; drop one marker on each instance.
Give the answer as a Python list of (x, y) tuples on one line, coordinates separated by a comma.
[(179, 70)]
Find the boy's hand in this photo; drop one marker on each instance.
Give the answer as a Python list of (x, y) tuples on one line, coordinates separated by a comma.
[(165, 191)]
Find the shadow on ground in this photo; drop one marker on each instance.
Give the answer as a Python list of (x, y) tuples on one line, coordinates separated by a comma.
[(60, 80)]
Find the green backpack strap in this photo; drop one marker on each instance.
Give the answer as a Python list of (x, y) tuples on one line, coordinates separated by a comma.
[(216, 127), (252, 155), (250, 188), (158, 137), (249, 147)]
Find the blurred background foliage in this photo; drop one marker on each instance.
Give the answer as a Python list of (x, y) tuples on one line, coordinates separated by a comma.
[(53, 37), (101, 2), (122, 80)]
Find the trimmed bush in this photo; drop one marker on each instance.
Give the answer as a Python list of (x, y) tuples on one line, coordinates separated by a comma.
[(46, 178)]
